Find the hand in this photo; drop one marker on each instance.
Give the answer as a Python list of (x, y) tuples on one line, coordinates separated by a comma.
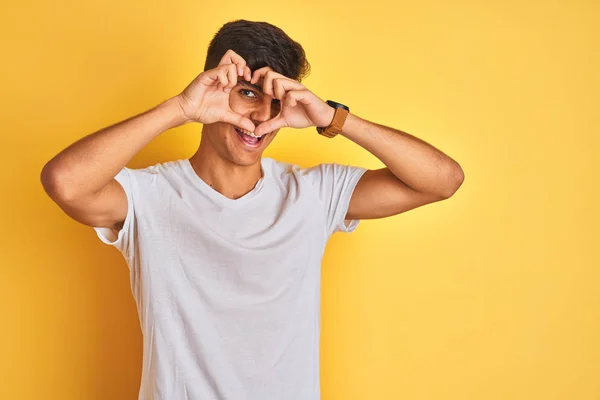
[(206, 98), (300, 108)]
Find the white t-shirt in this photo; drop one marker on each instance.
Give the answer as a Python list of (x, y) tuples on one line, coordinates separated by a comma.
[(228, 291)]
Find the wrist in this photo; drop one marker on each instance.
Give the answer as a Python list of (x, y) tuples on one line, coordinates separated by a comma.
[(176, 106), (330, 113), (338, 113)]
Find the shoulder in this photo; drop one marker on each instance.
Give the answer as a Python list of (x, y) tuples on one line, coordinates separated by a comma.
[(315, 174), (286, 172), (282, 169), (279, 170), (165, 173), (158, 169)]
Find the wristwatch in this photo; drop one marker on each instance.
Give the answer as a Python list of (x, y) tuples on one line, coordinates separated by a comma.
[(339, 117)]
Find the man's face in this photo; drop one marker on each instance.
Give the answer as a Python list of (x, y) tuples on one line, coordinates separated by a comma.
[(230, 142)]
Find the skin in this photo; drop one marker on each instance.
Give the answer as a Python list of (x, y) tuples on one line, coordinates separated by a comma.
[(80, 179), (222, 160), (416, 173)]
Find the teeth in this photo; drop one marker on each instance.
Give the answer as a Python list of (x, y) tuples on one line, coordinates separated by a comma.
[(245, 132)]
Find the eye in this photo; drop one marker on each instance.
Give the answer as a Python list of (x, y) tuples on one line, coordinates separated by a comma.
[(248, 93)]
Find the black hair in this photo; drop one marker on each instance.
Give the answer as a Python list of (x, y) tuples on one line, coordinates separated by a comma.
[(260, 44)]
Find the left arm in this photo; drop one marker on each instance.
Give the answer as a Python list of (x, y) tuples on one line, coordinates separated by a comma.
[(416, 174)]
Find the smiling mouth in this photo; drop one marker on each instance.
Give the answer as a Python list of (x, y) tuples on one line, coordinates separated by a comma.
[(247, 137)]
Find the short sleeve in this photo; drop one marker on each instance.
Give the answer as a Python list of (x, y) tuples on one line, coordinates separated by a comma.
[(124, 239), (334, 184)]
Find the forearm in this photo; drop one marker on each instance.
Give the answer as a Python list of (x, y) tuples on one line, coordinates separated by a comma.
[(89, 164), (415, 162)]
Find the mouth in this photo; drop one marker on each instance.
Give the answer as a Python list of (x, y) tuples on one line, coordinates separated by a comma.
[(248, 138)]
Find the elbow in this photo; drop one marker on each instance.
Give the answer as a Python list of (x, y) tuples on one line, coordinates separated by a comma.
[(53, 182), (456, 177), (48, 178)]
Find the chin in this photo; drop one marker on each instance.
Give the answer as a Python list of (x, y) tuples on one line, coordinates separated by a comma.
[(245, 161), (247, 150)]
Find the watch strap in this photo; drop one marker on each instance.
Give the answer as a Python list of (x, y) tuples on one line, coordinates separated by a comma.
[(339, 118)]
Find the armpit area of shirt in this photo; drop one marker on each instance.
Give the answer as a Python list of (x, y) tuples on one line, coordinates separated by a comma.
[(107, 235)]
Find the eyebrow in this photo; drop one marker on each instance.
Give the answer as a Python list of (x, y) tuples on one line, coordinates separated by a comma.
[(251, 85)]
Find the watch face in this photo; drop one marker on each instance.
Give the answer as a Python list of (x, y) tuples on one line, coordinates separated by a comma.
[(337, 105)]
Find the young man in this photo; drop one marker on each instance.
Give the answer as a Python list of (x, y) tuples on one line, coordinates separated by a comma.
[(225, 249)]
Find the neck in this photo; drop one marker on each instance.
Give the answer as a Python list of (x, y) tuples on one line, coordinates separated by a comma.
[(229, 179)]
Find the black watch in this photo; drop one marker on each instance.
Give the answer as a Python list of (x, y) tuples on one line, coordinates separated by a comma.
[(341, 112)]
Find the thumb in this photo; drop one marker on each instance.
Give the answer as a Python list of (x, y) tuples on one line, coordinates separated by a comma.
[(238, 120), (270, 126)]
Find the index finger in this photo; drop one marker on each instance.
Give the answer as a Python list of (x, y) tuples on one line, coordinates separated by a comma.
[(231, 57), (259, 73)]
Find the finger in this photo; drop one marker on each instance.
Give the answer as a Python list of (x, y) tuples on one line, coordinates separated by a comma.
[(278, 88), (209, 78), (247, 74), (289, 100), (221, 78), (259, 73), (286, 83), (282, 85), (238, 120), (293, 97), (270, 126), (232, 76), (268, 83), (231, 57)]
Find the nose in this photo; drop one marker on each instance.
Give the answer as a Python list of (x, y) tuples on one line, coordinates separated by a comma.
[(262, 110)]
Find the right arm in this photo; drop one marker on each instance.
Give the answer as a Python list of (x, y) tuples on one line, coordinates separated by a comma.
[(80, 179)]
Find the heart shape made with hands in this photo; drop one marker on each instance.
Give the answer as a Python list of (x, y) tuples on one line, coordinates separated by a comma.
[(300, 108)]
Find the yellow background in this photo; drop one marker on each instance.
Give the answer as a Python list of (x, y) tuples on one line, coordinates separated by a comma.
[(492, 294)]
